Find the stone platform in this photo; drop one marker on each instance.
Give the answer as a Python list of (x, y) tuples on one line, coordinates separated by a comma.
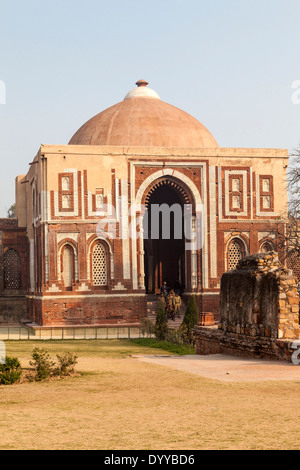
[(211, 340)]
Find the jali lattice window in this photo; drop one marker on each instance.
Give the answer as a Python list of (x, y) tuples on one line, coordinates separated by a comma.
[(293, 263), (235, 253), (99, 265), (12, 270)]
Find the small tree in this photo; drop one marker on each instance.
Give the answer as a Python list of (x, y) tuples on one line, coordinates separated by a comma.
[(190, 320), (67, 362), (161, 325), (43, 364), (11, 213), (288, 228)]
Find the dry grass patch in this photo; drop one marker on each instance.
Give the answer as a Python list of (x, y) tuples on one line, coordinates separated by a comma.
[(121, 403)]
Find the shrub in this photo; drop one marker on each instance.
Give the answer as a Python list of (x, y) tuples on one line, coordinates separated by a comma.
[(187, 335), (11, 371), (182, 338), (148, 327), (67, 362), (42, 363), (174, 336), (161, 325)]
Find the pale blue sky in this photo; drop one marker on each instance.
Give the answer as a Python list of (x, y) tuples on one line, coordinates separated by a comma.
[(229, 63)]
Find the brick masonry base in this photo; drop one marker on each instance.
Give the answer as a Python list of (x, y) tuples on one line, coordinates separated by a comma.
[(211, 340), (88, 311), (12, 309)]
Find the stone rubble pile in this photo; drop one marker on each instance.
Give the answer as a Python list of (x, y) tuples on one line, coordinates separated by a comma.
[(263, 263)]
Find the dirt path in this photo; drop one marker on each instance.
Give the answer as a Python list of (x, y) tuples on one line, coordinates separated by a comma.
[(228, 369)]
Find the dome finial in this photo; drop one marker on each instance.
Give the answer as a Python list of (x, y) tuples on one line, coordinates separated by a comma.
[(142, 83), (142, 91)]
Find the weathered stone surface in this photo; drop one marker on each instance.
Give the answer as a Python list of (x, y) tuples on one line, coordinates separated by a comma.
[(210, 340), (259, 304)]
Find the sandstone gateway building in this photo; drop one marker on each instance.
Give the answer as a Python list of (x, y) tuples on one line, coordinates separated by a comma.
[(60, 266)]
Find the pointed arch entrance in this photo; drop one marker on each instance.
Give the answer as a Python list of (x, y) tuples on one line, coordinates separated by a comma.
[(171, 214)]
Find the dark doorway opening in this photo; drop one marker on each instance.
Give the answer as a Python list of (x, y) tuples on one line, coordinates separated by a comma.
[(165, 241)]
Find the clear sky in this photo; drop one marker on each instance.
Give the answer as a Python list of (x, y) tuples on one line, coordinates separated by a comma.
[(229, 63)]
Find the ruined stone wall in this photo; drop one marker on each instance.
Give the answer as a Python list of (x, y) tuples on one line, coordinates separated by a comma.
[(259, 311), (260, 298)]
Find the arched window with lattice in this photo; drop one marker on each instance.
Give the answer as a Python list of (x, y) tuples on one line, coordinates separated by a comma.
[(12, 270), (99, 265), (236, 251)]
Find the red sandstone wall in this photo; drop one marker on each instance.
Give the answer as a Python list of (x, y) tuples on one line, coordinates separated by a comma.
[(124, 310)]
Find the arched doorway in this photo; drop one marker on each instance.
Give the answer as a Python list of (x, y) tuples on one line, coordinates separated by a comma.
[(165, 258)]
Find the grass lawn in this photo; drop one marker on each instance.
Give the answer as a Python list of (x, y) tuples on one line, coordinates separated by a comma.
[(169, 348), (121, 403)]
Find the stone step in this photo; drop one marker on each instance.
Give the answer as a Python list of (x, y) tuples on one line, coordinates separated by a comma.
[(152, 307)]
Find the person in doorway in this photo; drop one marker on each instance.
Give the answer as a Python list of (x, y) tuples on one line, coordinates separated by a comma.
[(170, 305), (164, 290), (177, 305)]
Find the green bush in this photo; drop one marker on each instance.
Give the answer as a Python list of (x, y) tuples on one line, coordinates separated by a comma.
[(148, 327), (46, 367), (174, 336), (161, 325), (182, 337), (187, 335), (11, 371), (42, 363), (67, 362)]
